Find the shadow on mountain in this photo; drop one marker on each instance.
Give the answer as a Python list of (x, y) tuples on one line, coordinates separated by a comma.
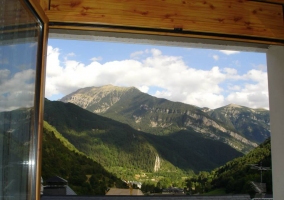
[(112, 143), (187, 150)]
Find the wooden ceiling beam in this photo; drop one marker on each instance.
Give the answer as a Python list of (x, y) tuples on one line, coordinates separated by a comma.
[(271, 1), (230, 17)]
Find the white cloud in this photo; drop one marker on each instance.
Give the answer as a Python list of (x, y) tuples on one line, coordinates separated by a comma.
[(231, 71), (215, 57), (156, 52), (16, 90), (255, 94), (143, 88), (261, 67), (71, 54), (4, 73), (232, 74), (229, 52), (206, 99), (256, 75), (135, 55), (179, 81), (96, 58)]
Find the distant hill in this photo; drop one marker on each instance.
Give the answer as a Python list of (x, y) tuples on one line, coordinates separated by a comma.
[(122, 149), (163, 117)]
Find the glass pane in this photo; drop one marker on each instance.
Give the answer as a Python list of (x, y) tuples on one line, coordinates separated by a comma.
[(19, 36)]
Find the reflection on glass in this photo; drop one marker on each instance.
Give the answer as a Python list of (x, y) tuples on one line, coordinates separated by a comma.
[(19, 32)]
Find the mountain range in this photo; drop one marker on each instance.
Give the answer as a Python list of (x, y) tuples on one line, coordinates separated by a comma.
[(240, 127), (253, 124), (133, 134)]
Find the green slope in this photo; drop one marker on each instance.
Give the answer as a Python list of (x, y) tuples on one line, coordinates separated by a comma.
[(190, 151), (60, 158), (126, 151), (108, 142), (235, 176)]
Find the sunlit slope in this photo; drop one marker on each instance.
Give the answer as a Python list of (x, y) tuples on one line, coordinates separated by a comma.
[(60, 158), (254, 124), (235, 176), (155, 115), (118, 146)]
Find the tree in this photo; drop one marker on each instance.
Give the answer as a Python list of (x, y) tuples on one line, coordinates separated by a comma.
[(189, 185)]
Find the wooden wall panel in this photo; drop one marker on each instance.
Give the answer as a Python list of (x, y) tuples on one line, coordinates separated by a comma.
[(234, 17)]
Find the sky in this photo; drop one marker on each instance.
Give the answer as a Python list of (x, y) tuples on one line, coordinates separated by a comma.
[(17, 75), (201, 77)]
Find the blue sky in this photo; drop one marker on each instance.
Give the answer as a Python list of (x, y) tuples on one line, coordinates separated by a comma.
[(17, 75), (202, 77)]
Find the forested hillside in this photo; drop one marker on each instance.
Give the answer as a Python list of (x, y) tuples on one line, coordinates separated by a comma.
[(84, 176), (236, 175), (128, 152)]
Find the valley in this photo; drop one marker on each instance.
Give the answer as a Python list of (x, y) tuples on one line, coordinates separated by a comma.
[(118, 146), (138, 137)]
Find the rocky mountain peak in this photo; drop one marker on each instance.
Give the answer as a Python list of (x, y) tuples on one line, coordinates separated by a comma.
[(97, 99), (234, 106), (206, 109), (111, 87)]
